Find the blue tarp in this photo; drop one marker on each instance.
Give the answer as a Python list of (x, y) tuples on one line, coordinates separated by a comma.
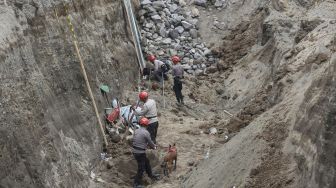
[(126, 113)]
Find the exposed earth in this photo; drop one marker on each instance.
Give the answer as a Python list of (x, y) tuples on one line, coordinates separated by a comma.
[(268, 63)]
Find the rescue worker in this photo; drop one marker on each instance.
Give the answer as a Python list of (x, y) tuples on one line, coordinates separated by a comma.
[(150, 112), (160, 69), (141, 140), (178, 73)]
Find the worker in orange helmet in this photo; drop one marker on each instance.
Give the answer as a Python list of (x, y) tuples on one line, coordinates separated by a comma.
[(160, 69), (142, 140), (149, 110), (178, 74)]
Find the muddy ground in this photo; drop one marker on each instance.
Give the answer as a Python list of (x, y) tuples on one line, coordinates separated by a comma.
[(276, 76), (275, 63)]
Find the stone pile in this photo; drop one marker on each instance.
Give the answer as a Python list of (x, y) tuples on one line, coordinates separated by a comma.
[(216, 3), (168, 28)]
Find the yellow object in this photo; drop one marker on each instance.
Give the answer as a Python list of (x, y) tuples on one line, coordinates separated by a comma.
[(86, 78)]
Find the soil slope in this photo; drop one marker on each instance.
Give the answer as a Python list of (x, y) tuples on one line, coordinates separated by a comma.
[(48, 132)]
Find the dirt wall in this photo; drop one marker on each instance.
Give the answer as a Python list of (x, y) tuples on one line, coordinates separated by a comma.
[(286, 103), (48, 132)]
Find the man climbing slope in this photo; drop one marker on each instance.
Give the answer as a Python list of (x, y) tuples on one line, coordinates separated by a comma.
[(160, 69), (141, 140), (177, 72), (149, 110)]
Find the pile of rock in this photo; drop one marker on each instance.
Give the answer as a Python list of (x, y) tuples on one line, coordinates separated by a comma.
[(168, 28), (216, 3)]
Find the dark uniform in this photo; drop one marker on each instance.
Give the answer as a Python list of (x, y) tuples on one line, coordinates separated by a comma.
[(141, 140), (178, 75)]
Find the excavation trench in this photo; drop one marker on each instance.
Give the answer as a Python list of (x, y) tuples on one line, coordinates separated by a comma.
[(270, 64)]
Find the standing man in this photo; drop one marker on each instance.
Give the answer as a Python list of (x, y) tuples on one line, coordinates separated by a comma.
[(160, 68), (178, 73), (150, 112), (141, 140)]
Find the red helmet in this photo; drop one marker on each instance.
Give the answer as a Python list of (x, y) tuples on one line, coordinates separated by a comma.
[(143, 95), (175, 59), (151, 58), (144, 121)]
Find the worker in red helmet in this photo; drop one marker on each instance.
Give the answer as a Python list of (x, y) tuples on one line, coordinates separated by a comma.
[(151, 58), (160, 69), (141, 140), (149, 110), (178, 74)]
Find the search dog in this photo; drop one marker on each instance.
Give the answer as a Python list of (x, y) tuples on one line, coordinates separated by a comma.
[(169, 160)]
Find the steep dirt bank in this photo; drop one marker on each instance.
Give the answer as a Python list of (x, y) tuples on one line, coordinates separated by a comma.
[(278, 83), (48, 131), (276, 75)]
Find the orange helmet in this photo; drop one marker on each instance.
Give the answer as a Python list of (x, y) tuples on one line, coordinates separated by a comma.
[(151, 58), (144, 121), (175, 59), (143, 95)]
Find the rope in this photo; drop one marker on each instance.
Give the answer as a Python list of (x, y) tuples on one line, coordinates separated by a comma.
[(86, 78)]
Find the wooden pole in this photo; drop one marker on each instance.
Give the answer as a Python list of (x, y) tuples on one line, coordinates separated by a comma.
[(90, 92), (87, 80)]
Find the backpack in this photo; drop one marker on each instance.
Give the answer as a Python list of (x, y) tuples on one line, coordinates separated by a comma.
[(146, 71), (165, 67)]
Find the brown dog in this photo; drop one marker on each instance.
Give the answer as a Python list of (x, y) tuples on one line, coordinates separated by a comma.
[(169, 159)]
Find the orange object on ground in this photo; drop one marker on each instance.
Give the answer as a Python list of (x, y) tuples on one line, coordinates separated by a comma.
[(114, 115)]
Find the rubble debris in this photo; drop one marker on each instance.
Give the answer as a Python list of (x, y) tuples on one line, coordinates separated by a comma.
[(170, 29)]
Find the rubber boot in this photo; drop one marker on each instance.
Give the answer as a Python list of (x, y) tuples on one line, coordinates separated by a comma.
[(155, 177)]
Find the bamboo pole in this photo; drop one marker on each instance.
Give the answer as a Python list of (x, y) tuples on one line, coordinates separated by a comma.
[(90, 92), (87, 80)]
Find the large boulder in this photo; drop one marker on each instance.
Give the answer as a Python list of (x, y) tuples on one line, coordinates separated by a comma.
[(194, 12), (163, 32), (158, 5), (187, 25), (180, 29), (156, 18), (219, 3), (173, 8), (146, 2), (166, 41), (182, 3), (174, 34), (176, 19), (202, 3)]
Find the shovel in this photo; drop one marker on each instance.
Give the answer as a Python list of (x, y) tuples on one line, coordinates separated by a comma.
[(104, 89)]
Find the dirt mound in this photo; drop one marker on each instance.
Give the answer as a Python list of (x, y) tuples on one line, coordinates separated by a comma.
[(288, 60)]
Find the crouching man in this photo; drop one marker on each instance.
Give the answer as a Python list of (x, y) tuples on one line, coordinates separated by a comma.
[(141, 140)]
